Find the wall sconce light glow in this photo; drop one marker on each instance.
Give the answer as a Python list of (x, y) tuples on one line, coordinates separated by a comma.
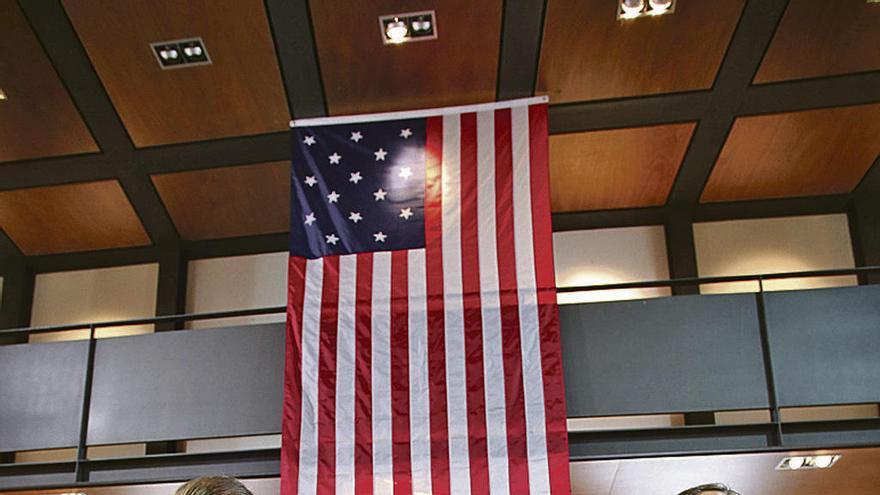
[(3, 95), (396, 31), (795, 463)]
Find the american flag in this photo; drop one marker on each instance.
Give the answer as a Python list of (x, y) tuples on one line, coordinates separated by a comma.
[(423, 337)]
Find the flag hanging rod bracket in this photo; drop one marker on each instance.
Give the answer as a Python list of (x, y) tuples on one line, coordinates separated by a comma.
[(416, 114)]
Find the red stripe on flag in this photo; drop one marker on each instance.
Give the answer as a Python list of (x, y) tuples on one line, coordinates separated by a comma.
[(436, 337), (400, 447), (548, 314), (473, 321), (517, 450), (296, 278), (327, 378), (363, 412)]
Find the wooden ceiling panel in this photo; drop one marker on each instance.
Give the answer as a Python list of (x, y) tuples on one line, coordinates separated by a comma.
[(240, 93), (76, 217), (38, 118), (361, 74), (808, 153), (587, 54), (823, 38), (618, 168), (228, 202)]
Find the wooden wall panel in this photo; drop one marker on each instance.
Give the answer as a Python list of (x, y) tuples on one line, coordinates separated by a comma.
[(618, 168), (361, 74), (240, 93), (807, 153), (76, 217), (587, 54), (823, 38), (228, 202), (38, 118)]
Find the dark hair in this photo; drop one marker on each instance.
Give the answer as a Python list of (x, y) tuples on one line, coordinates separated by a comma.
[(213, 485)]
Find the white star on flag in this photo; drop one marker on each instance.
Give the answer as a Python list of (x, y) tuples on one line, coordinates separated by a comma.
[(379, 237), (309, 140), (380, 154), (405, 133), (311, 181), (333, 197), (334, 158), (406, 213), (310, 219), (380, 194), (356, 136), (331, 239), (355, 216), (355, 177), (405, 172)]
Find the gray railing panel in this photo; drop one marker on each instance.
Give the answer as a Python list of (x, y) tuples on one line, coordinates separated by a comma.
[(190, 384), (673, 354), (41, 389), (825, 345)]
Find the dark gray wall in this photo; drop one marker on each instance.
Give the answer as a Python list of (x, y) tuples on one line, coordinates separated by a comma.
[(825, 345), (189, 384), (672, 354), (41, 388)]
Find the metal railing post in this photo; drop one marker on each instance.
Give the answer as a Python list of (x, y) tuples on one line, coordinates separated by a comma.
[(772, 397), (81, 473)]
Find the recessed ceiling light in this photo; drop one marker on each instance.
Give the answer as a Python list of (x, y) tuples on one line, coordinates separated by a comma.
[(181, 53), (632, 9), (795, 463), (3, 95), (411, 26), (710, 489)]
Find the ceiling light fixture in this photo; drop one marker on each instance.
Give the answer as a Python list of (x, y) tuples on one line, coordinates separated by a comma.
[(412, 26), (795, 463), (181, 53), (710, 489), (396, 31), (633, 9), (3, 95)]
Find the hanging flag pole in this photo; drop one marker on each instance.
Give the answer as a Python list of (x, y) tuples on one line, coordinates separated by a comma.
[(417, 114)]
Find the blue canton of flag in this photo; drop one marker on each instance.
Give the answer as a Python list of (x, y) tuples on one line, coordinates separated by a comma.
[(358, 188)]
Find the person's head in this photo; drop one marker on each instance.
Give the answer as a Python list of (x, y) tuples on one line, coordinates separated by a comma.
[(213, 485)]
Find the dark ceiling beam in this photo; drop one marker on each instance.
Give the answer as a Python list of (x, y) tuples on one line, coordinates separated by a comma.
[(292, 29), (55, 171), (8, 249), (522, 26), (54, 30), (213, 154), (744, 54), (809, 94), (629, 112), (870, 184), (104, 258), (629, 217), (764, 208)]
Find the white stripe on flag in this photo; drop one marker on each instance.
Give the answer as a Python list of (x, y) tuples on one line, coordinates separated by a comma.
[(530, 335), (419, 398), (456, 385), (383, 464), (345, 367), (493, 349), (311, 331)]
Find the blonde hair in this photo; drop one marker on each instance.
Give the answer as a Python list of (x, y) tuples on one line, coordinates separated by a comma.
[(213, 485)]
